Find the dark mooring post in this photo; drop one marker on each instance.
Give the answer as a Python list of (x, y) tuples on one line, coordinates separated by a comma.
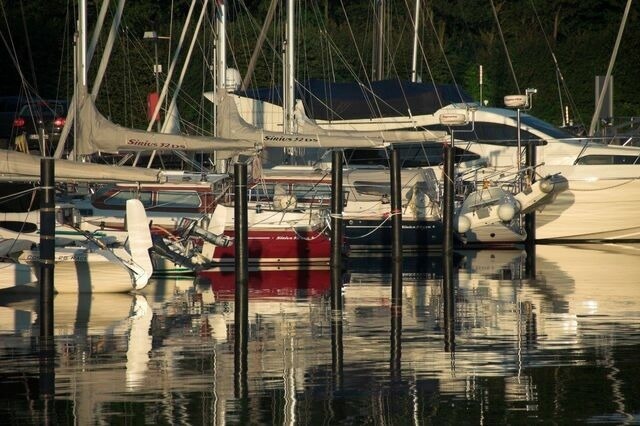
[(396, 271), (47, 255), (448, 200), (530, 218), (396, 229), (337, 232), (47, 245), (242, 277)]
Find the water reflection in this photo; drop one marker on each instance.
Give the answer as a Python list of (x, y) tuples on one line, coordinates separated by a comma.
[(481, 341)]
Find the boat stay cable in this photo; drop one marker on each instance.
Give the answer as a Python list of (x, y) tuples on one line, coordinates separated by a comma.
[(562, 84), (504, 45)]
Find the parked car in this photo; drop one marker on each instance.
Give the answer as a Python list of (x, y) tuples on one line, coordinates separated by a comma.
[(47, 116)]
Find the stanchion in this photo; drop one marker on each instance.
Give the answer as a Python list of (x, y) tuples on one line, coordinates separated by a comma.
[(242, 274), (47, 246), (337, 232)]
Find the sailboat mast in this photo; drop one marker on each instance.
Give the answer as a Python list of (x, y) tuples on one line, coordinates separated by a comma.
[(607, 78), (414, 59), (378, 67), (289, 77), (221, 26), (82, 21)]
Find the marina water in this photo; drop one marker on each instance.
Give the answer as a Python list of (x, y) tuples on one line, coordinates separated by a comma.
[(556, 341)]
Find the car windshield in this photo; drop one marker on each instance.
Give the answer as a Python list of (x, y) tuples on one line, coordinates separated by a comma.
[(43, 109)]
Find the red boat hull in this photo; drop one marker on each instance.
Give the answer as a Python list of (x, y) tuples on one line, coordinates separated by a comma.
[(279, 247)]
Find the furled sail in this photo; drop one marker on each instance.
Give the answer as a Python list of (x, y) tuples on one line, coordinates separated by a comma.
[(18, 166), (97, 134)]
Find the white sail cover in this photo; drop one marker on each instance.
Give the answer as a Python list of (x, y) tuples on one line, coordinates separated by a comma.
[(97, 134), (18, 166), (232, 125)]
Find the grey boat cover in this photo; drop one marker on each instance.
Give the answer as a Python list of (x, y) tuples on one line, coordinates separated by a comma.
[(308, 134), (97, 134), (18, 166)]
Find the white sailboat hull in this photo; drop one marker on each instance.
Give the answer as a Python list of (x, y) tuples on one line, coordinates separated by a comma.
[(82, 273)]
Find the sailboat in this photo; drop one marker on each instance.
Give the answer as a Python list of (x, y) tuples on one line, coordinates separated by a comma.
[(90, 267)]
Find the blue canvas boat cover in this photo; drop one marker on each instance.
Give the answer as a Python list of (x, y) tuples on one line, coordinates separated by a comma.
[(324, 100)]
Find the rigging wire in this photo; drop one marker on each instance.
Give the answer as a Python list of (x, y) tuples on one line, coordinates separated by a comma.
[(447, 63), (504, 45), (29, 51), (562, 84), (11, 49), (360, 59)]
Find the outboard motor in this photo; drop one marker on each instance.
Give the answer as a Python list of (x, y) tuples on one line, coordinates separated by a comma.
[(189, 227)]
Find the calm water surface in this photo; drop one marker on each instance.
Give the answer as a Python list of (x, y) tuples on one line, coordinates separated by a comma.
[(560, 347)]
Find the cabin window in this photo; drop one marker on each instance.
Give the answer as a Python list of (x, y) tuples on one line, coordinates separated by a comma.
[(119, 199), (312, 193), (425, 154), (608, 159), (261, 192), (178, 199), (382, 189), (486, 132)]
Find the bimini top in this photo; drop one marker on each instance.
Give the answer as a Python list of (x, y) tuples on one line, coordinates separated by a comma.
[(324, 100)]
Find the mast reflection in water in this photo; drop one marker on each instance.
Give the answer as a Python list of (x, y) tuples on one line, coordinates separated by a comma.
[(482, 342)]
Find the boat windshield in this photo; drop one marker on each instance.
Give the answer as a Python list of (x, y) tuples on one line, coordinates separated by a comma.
[(542, 126)]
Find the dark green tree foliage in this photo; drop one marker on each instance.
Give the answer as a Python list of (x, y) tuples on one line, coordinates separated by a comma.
[(336, 40)]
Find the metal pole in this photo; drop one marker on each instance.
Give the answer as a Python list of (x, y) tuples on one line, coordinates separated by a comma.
[(396, 273), (222, 44), (448, 199), (379, 59), (607, 78), (156, 71), (290, 71), (480, 78), (47, 246), (396, 230), (242, 274), (41, 140), (518, 135), (416, 28), (337, 232), (257, 50), (530, 218)]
